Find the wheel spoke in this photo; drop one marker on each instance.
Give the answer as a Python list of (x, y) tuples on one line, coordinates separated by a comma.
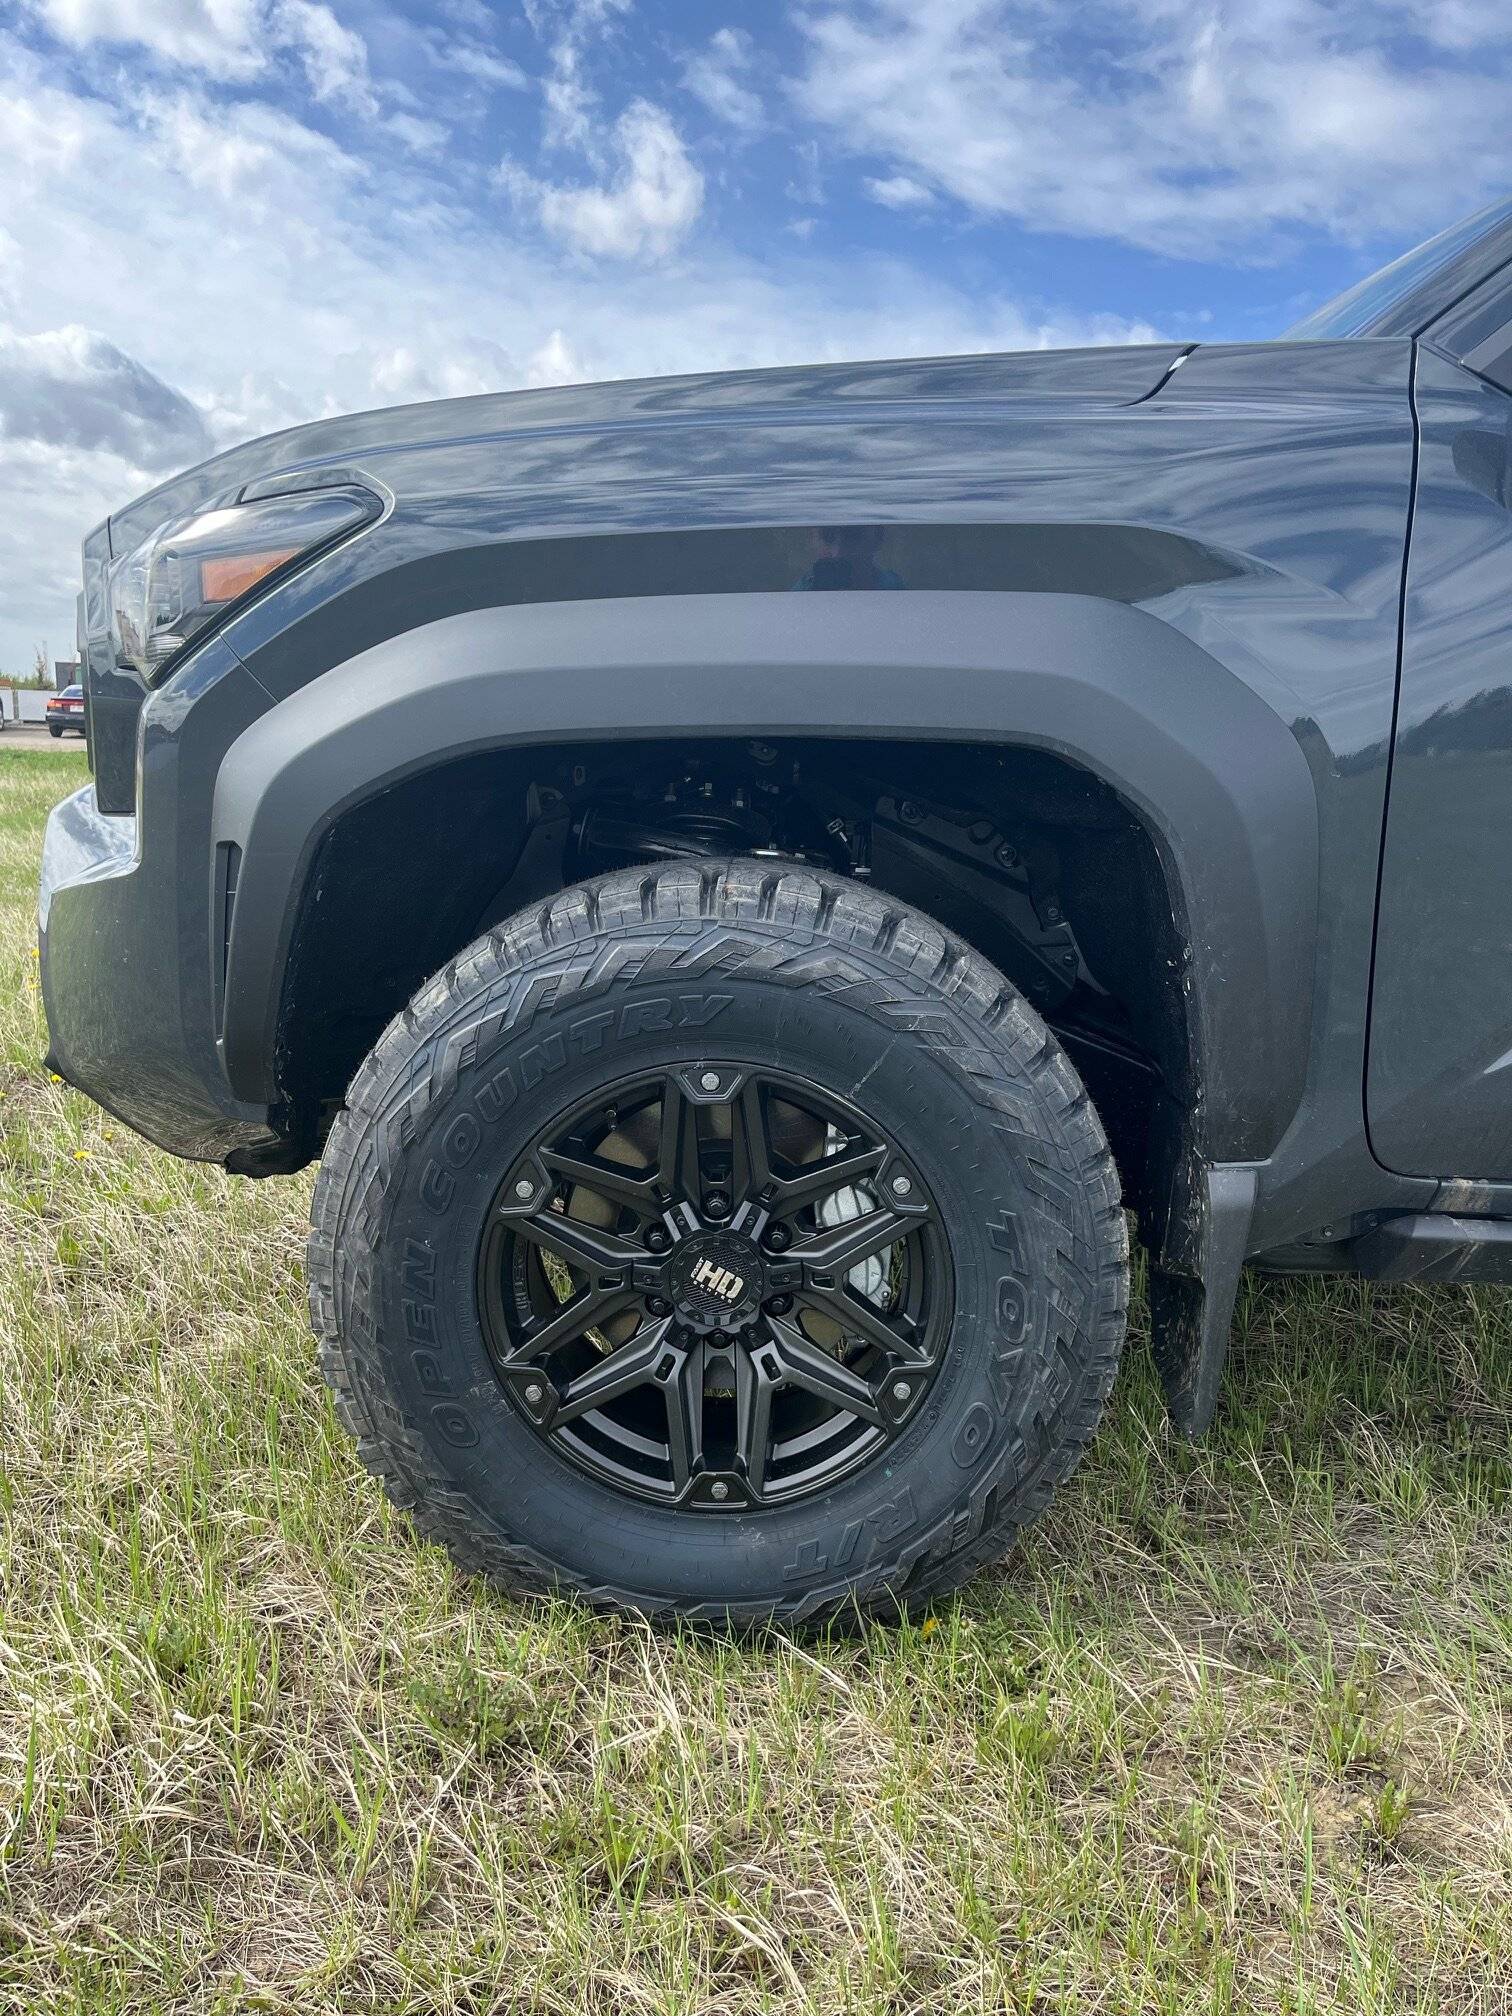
[(579, 1244), (859, 1318), (749, 1142), (753, 1418), (620, 1372), (804, 1364), (684, 1393), (833, 1172), (564, 1325), (677, 1164), (844, 1247), (618, 1186)]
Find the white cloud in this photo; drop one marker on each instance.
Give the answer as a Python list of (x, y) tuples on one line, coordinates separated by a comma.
[(81, 425), (806, 183), (898, 192), (1209, 133), (645, 209), (52, 497), (569, 100), (464, 369), (1464, 24), (334, 58), (555, 363), (234, 41), (71, 388), (569, 105), (10, 271), (471, 59), (713, 75), (257, 161), (421, 136), (219, 37), (240, 407)]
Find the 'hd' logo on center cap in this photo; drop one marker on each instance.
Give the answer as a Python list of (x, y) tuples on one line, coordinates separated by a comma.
[(716, 1280)]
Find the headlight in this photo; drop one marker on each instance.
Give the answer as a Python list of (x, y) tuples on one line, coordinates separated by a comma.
[(193, 569)]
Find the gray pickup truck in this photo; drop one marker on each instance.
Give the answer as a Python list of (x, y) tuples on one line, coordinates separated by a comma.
[(741, 880)]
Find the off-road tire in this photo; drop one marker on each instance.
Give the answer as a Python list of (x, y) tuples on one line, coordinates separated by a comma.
[(869, 997)]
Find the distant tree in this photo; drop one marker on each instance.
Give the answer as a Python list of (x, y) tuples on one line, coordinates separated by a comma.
[(41, 672)]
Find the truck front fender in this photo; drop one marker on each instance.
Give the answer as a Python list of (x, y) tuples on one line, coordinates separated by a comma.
[(1216, 776)]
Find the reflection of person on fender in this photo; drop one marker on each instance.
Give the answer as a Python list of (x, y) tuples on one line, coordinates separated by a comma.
[(846, 557)]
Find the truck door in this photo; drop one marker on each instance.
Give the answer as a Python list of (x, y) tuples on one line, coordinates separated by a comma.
[(1439, 1075)]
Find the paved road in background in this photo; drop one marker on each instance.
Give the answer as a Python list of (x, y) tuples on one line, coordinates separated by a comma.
[(34, 735)]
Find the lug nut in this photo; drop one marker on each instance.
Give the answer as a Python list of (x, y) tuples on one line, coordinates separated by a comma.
[(717, 1204), (658, 1305), (720, 1491), (901, 1186), (535, 1394), (901, 1389), (657, 1240), (524, 1188), (710, 1081), (779, 1305), (779, 1238)]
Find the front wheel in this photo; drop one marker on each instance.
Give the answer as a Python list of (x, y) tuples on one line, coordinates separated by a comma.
[(56, 734), (723, 1239)]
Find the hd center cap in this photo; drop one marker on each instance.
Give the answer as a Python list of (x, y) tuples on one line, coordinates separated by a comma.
[(716, 1281)]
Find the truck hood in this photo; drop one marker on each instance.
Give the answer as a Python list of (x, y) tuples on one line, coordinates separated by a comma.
[(820, 393)]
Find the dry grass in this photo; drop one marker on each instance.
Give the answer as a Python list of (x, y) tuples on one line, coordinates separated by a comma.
[(1232, 1735)]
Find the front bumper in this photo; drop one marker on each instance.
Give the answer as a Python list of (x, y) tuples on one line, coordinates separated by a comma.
[(125, 937), (108, 943)]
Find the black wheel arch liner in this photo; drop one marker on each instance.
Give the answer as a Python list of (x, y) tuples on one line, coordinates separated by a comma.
[(1216, 776)]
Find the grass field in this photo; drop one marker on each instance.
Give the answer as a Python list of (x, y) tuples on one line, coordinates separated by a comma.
[(1232, 1734)]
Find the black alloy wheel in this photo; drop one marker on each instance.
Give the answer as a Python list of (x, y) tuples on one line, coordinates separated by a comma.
[(715, 1286)]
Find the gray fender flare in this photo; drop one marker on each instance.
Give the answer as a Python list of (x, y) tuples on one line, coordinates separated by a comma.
[(1215, 774)]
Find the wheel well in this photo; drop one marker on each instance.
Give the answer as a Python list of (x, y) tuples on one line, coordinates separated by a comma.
[(1030, 858)]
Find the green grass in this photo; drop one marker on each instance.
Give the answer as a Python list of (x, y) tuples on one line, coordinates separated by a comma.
[(1231, 1734)]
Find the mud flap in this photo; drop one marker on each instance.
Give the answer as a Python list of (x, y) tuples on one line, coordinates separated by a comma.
[(1192, 1286)]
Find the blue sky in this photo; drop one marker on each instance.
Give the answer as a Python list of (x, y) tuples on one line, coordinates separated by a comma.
[(219, 217)]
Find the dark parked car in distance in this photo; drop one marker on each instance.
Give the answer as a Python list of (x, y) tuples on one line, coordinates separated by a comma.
[(64, 712), (735, 1010)]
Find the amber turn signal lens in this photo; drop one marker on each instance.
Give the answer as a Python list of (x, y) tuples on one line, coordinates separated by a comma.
[(224, 579), (186, 575)]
